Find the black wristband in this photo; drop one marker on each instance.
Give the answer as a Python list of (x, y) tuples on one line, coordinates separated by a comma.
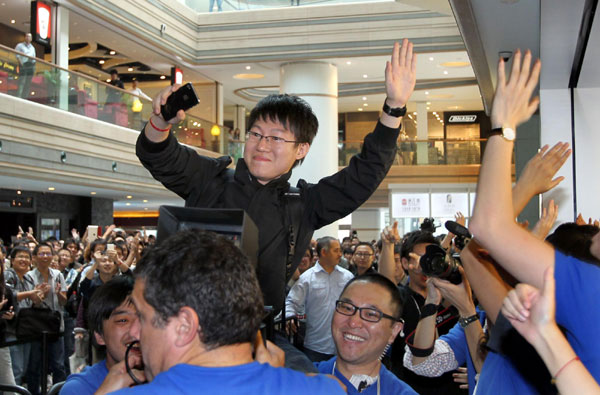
[(428, 310)]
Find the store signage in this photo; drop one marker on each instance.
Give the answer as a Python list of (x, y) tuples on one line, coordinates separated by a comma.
[(41, 30), (446, 205), (462, 118), (410, 205)]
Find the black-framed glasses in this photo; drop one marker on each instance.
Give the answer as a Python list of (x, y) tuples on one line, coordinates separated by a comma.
[(369, 314), (257, 137)]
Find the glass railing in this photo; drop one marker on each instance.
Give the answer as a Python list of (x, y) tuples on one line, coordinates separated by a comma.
[(45, 83), (424, 152)]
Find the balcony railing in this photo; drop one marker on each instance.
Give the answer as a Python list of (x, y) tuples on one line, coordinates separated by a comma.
[(77, 93), (424, 152)]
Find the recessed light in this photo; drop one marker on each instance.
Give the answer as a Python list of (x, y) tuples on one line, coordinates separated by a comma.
[(364, 98), (92, 193), (248, 76), (431, 58), (248, 67), (19, 192), (162, 77), (446, 72), (455, 64), (128, 196), (426, 92), (360, 109), (108, 80), (366, 104), (365, 76), (51, 188), (428, 108), (113, 52), (101, 61), (145, 200), (414, 113), (128, 204), (348, 63), (130, 69), (428, 103), (434, 113), (12, 21)]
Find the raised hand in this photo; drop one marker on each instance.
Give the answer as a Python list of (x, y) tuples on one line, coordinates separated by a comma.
[(538, 174), (512, 102), (546, 221), (459, 295), (400, 74), (390, 234), (459, 218), (159, 100)]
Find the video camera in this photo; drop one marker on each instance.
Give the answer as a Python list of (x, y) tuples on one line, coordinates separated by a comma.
[(437, 263), (462, 235), (428, 225)]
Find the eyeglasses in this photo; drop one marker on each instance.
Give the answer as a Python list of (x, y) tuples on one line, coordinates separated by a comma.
[(366, 313), (362, 254), (257, 137), (44, 254)]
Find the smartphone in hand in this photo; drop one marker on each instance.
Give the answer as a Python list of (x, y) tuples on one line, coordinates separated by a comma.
[(183, 99)]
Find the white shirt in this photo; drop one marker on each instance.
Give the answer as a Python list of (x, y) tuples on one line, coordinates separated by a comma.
[(315, 293), (28, 50)]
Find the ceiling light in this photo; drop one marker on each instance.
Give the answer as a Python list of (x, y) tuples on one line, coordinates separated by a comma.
[(51, 188), (455, 64), (365, 76), (446, 72), (128, 204), (108, 80), (130, 69), (428, 103), (428, 108), (101, 61), (426, 92), (248, 67), (129, 196), (92, 193), (162, 77), (360, 109), (12, 21), (19, 192), (366, 104), (145, 200), (414, 113), (112, 52), (364, 98), (431, 58), (434, 113), (348, 63), (248, 76)]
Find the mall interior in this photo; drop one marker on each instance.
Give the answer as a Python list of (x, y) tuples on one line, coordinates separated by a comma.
[(67, 150)]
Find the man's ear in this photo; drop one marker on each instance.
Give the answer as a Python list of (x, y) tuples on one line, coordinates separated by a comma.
[(302, 150), (186, 326), (396, 328), (99, 339), (404, 262)]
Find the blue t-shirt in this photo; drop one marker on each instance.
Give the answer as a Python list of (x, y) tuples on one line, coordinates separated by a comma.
[(577, 291), (457, 340), (86, 382), (251, 378), (390, 384)]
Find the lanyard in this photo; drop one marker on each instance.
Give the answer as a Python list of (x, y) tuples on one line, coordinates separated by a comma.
[(378, 379)]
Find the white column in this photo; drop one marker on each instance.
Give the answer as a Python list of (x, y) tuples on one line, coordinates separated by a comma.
[(219, 116), (317, 83), (422, 133), (60, 54)]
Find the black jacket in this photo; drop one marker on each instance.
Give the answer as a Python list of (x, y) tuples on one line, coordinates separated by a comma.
[(208, 182)]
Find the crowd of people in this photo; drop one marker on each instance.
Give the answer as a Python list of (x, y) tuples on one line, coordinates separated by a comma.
[(497, 308)]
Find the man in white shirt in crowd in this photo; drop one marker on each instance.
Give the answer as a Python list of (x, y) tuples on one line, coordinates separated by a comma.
[(315, 293), (26, 65)]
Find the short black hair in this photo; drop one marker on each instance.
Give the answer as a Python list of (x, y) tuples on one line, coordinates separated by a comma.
[(574, 240), (323, 243), (114, 72), (411, 239), (208, 273), (43, 244), (106, 299), (292, 112), (364, 243), (383, 281), (71, 240), (19, 248)]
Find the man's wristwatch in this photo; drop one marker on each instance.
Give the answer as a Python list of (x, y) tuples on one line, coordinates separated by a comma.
[(508, 134), (394, 112), (466, 321)]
